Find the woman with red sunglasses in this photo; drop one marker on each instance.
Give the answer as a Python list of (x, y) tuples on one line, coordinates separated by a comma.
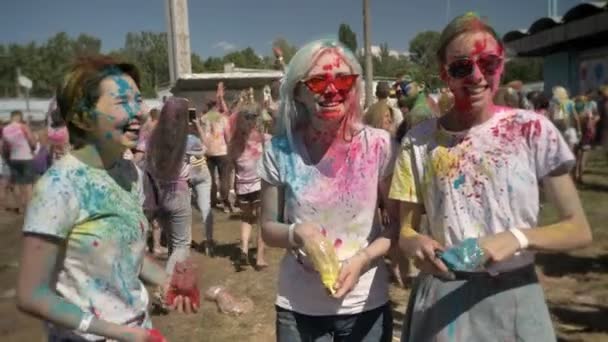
[(320, 178), (474, 172)]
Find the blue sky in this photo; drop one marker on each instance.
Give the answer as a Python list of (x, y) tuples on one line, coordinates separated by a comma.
[(217, 26)]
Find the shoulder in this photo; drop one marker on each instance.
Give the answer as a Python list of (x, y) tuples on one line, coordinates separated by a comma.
[(422, 133)]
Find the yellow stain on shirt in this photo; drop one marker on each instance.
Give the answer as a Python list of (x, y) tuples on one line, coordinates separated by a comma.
[(444, 162)]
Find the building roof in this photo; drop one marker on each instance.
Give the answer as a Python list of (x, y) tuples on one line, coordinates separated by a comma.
[(241, 79), (582, 25)]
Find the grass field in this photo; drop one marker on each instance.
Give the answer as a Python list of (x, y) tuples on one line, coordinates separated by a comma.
[(576, 283)]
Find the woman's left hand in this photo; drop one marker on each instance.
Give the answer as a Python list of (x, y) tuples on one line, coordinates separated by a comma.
[(349, 274), (499, 247)]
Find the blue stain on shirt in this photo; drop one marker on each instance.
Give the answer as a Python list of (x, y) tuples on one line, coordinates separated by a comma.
[(459, 181)]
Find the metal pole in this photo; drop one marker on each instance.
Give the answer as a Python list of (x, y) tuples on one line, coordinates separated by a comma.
[(369, 72), (447, 12), (555, 13)]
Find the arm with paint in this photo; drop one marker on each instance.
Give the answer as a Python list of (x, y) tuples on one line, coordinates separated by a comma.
[(360, 262), (420, 247), (35, 294), (572, 231)]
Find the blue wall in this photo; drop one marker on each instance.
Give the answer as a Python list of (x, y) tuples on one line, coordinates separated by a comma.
[(559, 69)]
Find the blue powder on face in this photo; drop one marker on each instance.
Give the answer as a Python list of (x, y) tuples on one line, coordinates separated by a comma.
[(467, 256), (108, 135), (123, 90)]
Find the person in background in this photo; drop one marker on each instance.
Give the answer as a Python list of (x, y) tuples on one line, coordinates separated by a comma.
[(5, 174), (321, 174), (200, 183), (564, 116), (82, 262), (139, 152), (383, 91), (168, 197), (539, 102), (216, 136), (588, 116), (507, 97), (19, 141), (602, 108), (474, 172)]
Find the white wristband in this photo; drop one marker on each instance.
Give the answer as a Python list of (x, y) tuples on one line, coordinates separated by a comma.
[(521, 238), (85, 322), (290, 237)]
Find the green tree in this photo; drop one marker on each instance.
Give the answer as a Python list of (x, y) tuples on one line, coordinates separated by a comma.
[(288, 49), (198, 65), (148, 50), (523, 69), (423, 49), (348, 37), (213, 64)]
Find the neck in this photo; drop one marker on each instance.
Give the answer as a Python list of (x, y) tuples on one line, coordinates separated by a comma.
[(93, 156), (322, 132), (462, 119)]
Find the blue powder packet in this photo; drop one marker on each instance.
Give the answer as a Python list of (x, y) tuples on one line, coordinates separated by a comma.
[(467, 256)]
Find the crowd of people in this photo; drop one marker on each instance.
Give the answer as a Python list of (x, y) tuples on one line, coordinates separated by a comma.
[(445, 185)]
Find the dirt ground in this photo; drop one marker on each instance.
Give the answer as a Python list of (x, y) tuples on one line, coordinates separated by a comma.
[(576, 283)]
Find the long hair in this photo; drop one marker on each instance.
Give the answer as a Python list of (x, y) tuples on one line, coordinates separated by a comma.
[(167, 144), (244, 133), (375, 114), (292, 114)]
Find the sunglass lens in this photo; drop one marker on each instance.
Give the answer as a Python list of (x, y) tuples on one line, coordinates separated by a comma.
[(344, 82), (489, 64), (461, 68), (316, 84)]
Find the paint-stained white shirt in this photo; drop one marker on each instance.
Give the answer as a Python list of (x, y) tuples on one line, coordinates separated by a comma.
[(339, 194), (481, 181), (104, 229)]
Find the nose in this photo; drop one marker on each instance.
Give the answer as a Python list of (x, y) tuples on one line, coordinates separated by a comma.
[(331, 88), (141, 113), (476, 75)]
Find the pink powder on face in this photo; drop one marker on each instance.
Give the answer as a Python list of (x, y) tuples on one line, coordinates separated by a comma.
[(328, 67)]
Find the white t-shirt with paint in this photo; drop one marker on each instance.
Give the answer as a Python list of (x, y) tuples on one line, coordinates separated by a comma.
[(481, 181), (104, 229), (340, 195)]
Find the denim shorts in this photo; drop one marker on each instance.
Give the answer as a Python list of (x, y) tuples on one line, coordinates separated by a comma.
[(375, 325)]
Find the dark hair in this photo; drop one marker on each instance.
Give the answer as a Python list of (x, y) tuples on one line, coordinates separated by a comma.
[(538, 99), (167, 143), (79, 93), (468, 22), (211, 104), (403, 102), (16, 113), (383, 90), (154, 112)]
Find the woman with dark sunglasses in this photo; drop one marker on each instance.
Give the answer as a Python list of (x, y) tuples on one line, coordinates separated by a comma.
[(320, 185), (474, 172)]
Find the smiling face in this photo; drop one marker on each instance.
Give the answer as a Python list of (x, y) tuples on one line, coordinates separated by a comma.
[(118, 113), (328, 86), (472, 69)]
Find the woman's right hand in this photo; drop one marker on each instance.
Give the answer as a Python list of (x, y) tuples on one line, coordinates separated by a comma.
[(306, 234), (423, 249)]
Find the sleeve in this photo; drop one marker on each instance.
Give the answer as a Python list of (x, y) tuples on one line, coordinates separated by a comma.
[(551, 152), (268, 166), (54, 207), (403, 185)]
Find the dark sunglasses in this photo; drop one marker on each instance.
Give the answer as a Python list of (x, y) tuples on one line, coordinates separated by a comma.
[(318, 84), (464, 67)]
